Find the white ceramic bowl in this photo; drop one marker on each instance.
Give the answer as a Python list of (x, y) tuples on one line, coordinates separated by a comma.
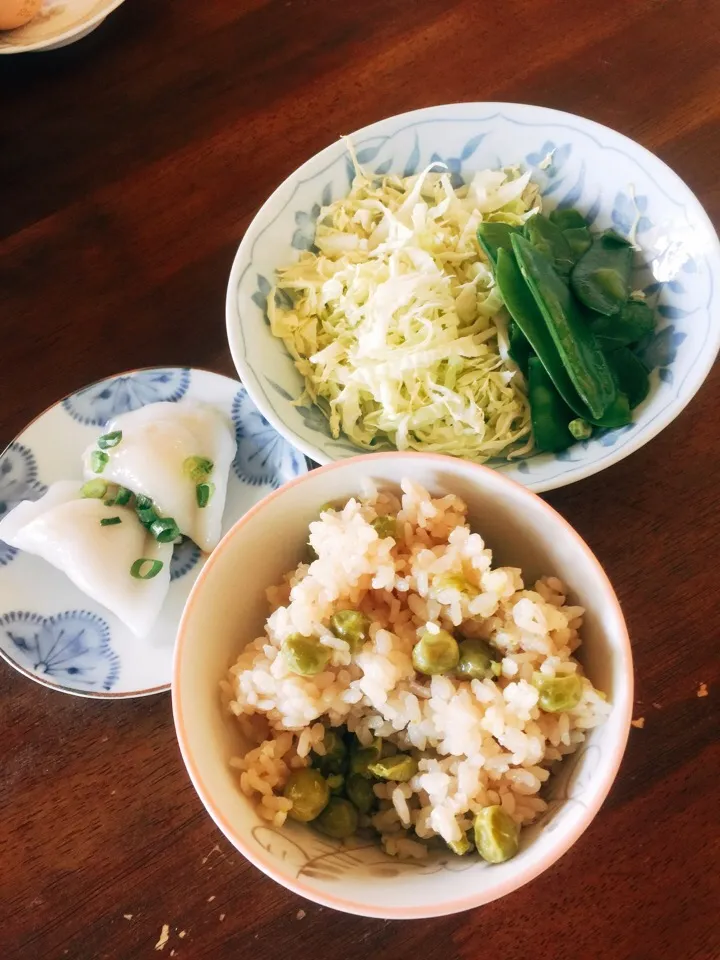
[(227, 608), (59, 23), (614, 181)]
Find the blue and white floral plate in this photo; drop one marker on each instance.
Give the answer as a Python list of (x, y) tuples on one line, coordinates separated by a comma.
[(614, 181), (52, 632)]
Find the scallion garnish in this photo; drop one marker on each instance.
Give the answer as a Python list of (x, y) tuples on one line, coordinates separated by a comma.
[(198, 468), (98, 461), (142, 502), (94, 489), (123, 496), (165, 530), (108, 440), (147, 516), (110, 521), (136, 570), (203, 493)]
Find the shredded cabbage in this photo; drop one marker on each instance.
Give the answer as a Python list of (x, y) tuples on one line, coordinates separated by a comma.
[(394, 321)]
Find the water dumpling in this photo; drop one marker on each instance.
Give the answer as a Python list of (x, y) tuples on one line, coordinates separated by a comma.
[(103, 548), (178, 455)]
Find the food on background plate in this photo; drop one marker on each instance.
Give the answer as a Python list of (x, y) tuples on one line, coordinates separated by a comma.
[(100, 546), (156, 475), (16, 13), (404, 686), (414, 317)]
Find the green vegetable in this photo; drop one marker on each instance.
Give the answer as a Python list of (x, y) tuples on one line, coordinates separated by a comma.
[(333, 760), (495, 236), (550, 240), (497, 836), (361, 757), (108, 440), (305, 656), (147, 516), (110, 521), (122, 496), (197, 468), (385, 527), (360, 792), (632, 377), (203, 493), (94, 489), (140, 571), (579, 240), (164, 529), (309, 792), (435, 653), (580, 429), (453, 581), (550, 414), (634, 321), (98, 461), (462, 846), (519, 347), (339, 819), (401, 767), (556, 694), (477, 661), (351, 626), (142, 502), (336, 783), (578, 349), (568, 219), (601, 277)]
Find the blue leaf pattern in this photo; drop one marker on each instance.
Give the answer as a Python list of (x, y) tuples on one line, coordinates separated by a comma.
[(263, 457), (185, 556), (326, 198), (383, 168), (471, 146), (625, 212), (662, 348), (368, 153), (413, 160), (102, 401), (666, 375), (18, 481), (71, 648)]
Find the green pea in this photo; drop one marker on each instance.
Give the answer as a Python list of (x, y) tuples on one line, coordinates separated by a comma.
[(351, 626), (401, 767), (333, 760), (339, 819), (305, 655), (360, 792), (435, 653), (580, 429), (497, 836), (362, 757), (462, 846), (336, 784), (557, 693), (309, 792), (454, 581), (385, 527), (477, 660)]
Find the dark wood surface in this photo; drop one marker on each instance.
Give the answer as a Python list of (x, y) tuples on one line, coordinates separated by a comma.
[(130, 165)]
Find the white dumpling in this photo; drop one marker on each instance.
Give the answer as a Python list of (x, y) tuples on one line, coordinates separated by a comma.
[(157, 440), (64, 528)]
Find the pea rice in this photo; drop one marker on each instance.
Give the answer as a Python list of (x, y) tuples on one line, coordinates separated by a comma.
[(477, 742)]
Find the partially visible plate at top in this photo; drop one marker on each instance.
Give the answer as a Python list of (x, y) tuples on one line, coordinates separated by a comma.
[(59, 23), (51, 631)]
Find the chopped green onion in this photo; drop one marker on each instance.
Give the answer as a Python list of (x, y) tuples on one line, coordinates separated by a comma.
[(110, 521), (203, 493), (98, 461), (142, 502), (123, 496), (147, 516), (108, 440), (165, 530), (94, 489), (152, 571), (198, 468)]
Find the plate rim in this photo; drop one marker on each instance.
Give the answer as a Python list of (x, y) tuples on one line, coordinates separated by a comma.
[(64, 38)]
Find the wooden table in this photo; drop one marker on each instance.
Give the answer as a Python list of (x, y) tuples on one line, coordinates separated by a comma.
[(130, 165)]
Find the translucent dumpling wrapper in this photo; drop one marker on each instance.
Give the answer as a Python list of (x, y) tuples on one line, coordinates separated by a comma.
[(65, 528), (154, 457)]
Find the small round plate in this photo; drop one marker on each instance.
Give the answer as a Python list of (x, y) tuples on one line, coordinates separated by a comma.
[(49, 630), (59, 23)]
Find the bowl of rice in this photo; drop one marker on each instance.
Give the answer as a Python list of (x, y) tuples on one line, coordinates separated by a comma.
[(399, 668)]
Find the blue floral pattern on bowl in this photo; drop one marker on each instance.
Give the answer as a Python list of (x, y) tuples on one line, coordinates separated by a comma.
[(69, 648), (102, 401), (263, 457), (614, 182), (18, 481), (184, 559)]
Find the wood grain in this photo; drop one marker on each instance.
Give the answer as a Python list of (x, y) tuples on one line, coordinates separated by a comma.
[(130, 165)]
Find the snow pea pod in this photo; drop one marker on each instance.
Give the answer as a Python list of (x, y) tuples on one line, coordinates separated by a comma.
[(519, 349), (493, 237), (525, 312), (549, 238), (579, 351), (549, 413), (568, 219), (631, 324), (601, 277), (579, 240), (630, 374)]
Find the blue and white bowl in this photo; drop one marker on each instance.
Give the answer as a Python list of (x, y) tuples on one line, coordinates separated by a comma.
[(49, 629), (612, 180)]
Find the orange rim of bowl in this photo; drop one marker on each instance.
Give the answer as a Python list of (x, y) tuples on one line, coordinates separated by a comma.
[(352, 906)]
